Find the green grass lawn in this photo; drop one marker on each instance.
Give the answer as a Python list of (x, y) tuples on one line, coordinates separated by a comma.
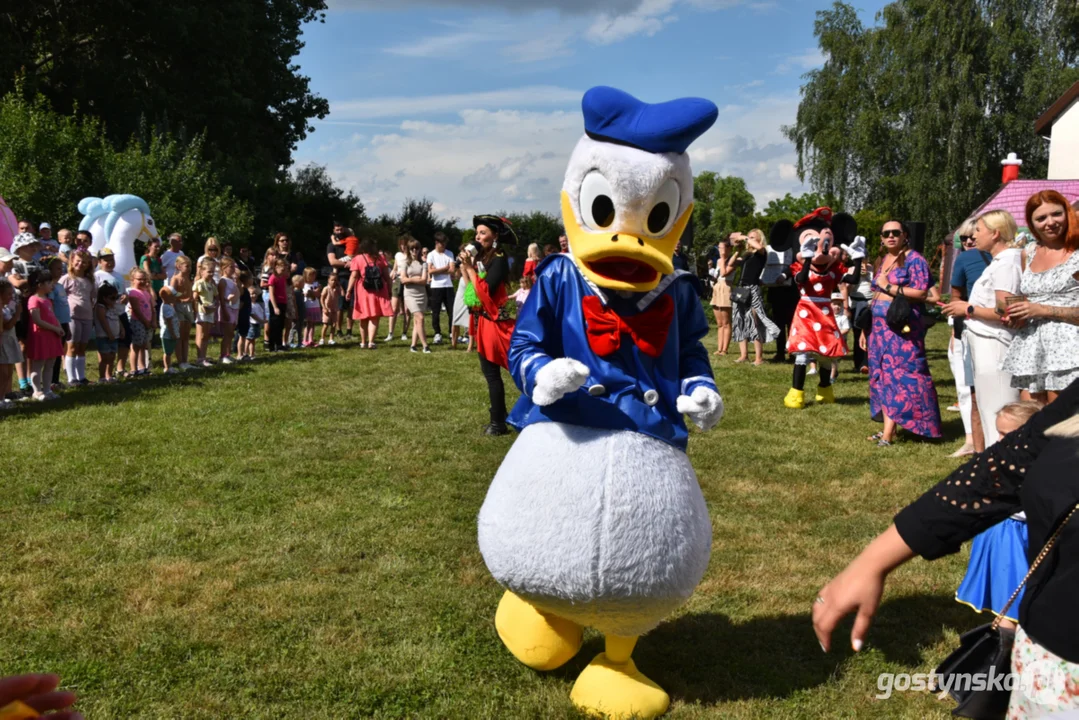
[(296, 538)]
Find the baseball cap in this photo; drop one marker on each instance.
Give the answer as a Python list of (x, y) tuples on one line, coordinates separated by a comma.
[(44, 226), (104, 252), (5, 255)]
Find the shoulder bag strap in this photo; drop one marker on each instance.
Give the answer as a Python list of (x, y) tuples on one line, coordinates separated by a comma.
[(1034, 566)]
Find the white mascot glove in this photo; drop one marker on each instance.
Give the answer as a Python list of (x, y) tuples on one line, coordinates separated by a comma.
[(809, 248), (704, 407), (557, 379), (856, 249)]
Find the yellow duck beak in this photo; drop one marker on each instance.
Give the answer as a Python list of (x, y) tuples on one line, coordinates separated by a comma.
[(622, 260)]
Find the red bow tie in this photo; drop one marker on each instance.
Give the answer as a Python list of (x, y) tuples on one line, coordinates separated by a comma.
[(648, 329)]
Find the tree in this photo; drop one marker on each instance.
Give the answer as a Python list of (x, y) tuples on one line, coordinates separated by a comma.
[(224, 68), (912, 116), (184, 194), (48, 162), (306, 204), (720, 203)]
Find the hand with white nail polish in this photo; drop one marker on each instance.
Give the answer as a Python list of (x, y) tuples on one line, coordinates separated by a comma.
[(858, 589)]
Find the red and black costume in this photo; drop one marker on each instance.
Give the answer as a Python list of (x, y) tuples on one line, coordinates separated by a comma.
[(491, 324)]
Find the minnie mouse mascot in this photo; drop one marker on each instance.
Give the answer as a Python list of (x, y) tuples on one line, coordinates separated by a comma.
[(818, 273)]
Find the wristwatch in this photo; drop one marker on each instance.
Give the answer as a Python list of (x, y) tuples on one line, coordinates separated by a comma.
[(970, 311)]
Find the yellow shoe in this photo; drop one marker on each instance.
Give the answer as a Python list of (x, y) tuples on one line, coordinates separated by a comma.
[(618, 690), (826, 395), (795, 400), (540, 640)]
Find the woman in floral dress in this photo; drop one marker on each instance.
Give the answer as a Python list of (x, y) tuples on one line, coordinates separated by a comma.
[(900, 387)]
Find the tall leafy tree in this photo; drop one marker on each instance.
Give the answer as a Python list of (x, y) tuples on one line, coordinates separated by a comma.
[(720, 203), (225, 67), (912, 116)]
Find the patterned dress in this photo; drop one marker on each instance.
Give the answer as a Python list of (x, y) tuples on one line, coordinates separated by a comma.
[(814, 329), (899, 381)]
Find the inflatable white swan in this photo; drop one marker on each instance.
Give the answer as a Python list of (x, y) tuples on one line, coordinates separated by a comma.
[(116, 222)]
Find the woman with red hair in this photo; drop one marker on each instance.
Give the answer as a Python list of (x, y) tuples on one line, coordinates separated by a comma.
[(1044, 356)]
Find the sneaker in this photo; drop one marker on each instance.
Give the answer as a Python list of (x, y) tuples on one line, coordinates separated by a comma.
[(227, 360), (171, 371), (332, 342), (426, 350), (6, 404), (83, 382), (953, 408), (811, 371), (388, 338), (321, 343), (413, 349), (207, 363), (51, 396), (438, 339), (404, 338), (40, 397)]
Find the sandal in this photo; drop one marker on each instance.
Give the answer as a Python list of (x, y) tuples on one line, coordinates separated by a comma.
[(882, 443), (876, 437)]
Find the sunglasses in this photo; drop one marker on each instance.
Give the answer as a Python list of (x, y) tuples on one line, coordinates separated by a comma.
[(966, 238), (891, 233)]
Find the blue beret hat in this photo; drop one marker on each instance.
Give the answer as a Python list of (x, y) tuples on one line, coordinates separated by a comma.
[(614, 116)]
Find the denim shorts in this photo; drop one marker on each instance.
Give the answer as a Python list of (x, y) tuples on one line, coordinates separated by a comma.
[(106, 346), (255, 331)]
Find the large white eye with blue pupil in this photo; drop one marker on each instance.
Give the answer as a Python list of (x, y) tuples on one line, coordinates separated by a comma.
[(664, 211), (597, 202)]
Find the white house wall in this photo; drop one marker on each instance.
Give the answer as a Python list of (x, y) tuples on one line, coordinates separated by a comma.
[(1064, 145)]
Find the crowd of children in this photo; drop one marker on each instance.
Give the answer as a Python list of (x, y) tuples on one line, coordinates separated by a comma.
[(55, 310)]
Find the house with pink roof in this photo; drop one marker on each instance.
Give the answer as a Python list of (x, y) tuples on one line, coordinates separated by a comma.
[(1060, 125)]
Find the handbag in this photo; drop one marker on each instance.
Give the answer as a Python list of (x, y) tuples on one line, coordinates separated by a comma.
[(984, 651), (898, 317), (742, 295)]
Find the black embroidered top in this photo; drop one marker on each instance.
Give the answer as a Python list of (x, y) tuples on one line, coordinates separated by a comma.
[(1025, 470)]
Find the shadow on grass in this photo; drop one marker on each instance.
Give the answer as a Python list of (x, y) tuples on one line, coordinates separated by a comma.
[(130, 389), (708, 659)]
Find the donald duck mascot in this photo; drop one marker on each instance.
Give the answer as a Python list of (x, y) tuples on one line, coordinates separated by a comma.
[(595, 516)]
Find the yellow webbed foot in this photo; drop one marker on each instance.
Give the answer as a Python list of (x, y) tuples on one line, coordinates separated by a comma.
[(826, 395), (795, 400), (618, 690), (540, 640)]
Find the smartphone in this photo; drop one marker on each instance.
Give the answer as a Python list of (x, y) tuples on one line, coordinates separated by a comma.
[(1010, 300)]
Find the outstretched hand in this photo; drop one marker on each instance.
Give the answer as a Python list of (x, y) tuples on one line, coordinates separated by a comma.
[(704, 406), (852, 591), (557, 379), (856, 249), (39, 693)]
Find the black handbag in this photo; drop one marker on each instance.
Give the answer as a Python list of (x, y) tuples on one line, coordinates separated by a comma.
[(898, 317), (742, 295), (985, 652)]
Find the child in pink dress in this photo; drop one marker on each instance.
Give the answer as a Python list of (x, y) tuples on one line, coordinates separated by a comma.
[(44, 338)]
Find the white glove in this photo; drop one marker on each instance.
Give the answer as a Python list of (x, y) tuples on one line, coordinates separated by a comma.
[(704, 407), (856, 249), (809, 248), (557, 379)]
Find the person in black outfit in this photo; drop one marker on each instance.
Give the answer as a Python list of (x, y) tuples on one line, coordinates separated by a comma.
[(1031, 469), (749, 319), (493, 326)]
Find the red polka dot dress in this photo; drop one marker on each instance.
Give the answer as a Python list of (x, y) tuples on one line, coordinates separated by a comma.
[(814, 329)]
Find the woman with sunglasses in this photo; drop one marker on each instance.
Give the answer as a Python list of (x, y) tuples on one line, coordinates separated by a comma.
[(901, 389)]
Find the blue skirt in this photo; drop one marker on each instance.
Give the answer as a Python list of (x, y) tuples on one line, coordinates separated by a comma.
[(998, 563)]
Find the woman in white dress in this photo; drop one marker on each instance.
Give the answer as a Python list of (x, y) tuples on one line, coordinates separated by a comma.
[(1044, 355)]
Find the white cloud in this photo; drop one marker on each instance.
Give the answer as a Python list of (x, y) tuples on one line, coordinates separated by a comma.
[(811, 58), (401, 106), (648, 19), (489, 159)]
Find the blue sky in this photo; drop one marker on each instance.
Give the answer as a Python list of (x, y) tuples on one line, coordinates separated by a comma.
[(475, 104)]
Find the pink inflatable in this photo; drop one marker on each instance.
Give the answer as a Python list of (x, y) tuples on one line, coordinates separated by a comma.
[(9, 224)]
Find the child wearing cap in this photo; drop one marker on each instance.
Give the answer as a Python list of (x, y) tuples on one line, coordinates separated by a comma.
[(24, 268)]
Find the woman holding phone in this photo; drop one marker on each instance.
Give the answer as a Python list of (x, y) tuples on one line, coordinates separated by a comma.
[(1044, 356), (986, 337)]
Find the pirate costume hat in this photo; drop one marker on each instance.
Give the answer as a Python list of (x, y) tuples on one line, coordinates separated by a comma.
[(499, 225)]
